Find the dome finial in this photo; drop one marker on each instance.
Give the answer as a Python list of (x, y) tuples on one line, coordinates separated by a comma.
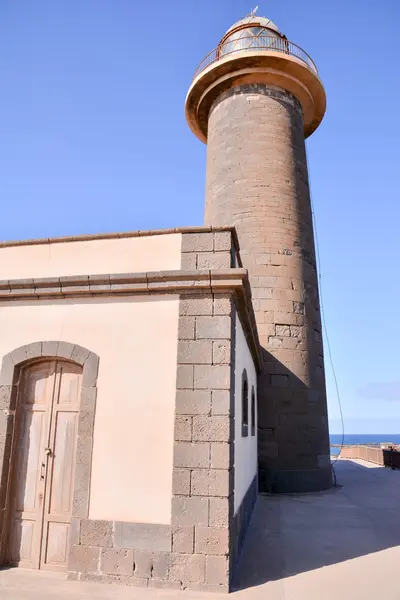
[(253, 12)]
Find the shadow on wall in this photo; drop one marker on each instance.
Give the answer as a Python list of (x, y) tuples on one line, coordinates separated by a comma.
[(293, 423), (292, 431), (391, 458), (292, 534)]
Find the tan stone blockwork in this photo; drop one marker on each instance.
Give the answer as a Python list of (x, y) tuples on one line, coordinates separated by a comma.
[(116, 562), (217, 569), (183, 429), (212, 428), (213, 260), (191, 455), (212, 541), (209, 250), (210, 482), (213, 328), (220, 352), (83, 559), (212, 376), (202, 506), (195, 516), (220, 404), (265, 194), (193, 402), (96, 533), (221, 456), (195, 352), (187, 511), (188, 568), (219, 513), (181, 482), (183, 540)]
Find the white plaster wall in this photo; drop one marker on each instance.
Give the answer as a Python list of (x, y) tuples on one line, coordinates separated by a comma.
[(92, 257), (245, 447), (136, 340)]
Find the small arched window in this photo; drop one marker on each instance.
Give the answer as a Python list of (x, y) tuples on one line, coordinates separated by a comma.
[(245, 405), (253, 412)]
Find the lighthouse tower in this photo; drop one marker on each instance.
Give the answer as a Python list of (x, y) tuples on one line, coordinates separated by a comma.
[(253, 101)]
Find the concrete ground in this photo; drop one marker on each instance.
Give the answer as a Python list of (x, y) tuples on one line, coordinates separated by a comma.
[(343, 543)]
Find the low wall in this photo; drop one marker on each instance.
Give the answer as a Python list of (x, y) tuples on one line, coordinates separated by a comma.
[(368, 453), (90, 257), (374, 454)]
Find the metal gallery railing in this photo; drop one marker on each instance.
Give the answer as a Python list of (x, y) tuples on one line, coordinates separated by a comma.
[(260, 43)]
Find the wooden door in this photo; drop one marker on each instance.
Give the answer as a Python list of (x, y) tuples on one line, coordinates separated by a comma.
[(34, 411), (48, 408)]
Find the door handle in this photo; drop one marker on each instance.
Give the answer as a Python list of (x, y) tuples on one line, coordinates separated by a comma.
[(42, 471), (48, 451)]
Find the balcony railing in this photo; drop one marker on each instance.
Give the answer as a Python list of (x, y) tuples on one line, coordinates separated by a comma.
[(255, 44)]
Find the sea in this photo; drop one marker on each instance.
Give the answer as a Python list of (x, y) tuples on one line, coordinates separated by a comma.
[(363, 438)]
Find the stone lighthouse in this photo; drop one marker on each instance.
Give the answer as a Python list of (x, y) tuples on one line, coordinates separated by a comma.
[(253, 101)]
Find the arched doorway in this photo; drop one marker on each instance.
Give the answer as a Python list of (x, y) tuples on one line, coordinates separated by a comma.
[(43, 464)]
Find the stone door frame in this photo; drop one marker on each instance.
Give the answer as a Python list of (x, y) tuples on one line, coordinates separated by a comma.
[(9, 378)]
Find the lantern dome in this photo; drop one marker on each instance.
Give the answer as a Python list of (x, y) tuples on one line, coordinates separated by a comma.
[(254, 21), (251, 33)]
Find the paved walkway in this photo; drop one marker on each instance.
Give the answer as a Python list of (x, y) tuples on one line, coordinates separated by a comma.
[(343, 544)]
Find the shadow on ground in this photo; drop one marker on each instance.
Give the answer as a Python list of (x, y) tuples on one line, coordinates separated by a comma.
[(292, 534)]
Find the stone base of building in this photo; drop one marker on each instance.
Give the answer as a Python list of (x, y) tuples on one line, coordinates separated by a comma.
[(138, 568), (301, 481), (107, 552)]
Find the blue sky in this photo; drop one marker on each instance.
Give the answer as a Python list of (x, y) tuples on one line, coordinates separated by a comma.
[(93, 138)]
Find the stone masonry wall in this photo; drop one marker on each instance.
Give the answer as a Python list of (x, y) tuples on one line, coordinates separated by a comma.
[(257, 180), (197, 550), (215, 251), (368, 453), (202, 501), (192, 552)]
